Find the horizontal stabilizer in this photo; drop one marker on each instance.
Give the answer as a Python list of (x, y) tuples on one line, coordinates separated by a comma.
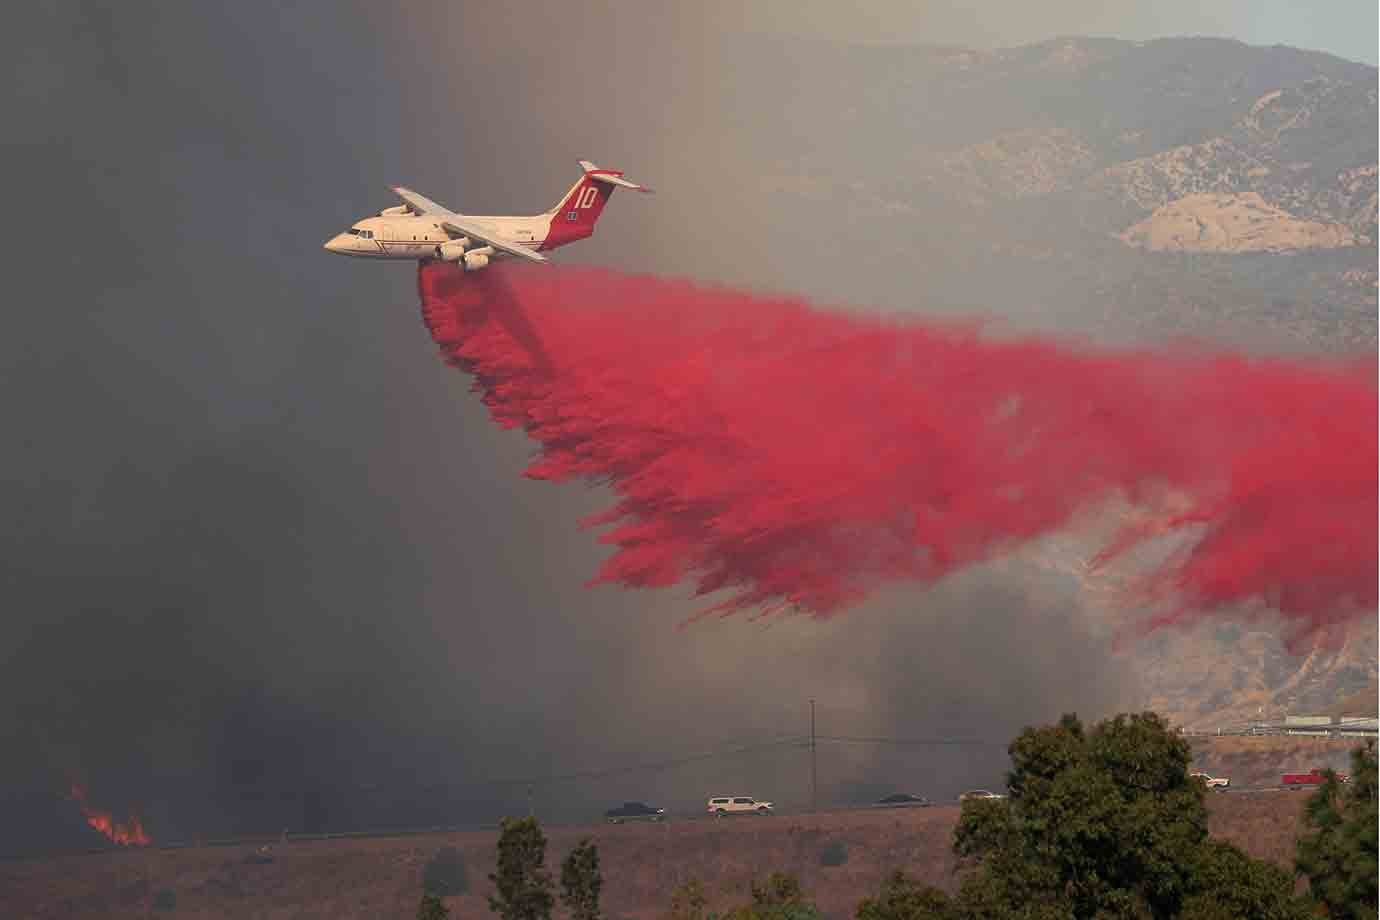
[(610, 177)]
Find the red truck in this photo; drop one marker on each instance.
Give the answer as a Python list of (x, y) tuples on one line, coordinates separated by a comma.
[(1313, 777)]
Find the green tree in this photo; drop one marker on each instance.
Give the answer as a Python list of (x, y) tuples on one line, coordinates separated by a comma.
[(1102, 823), (903, 898), (1229, 884), (522, 886), (581, 881), (778, 890), (1339, 856), (432, 908), (444, 874)]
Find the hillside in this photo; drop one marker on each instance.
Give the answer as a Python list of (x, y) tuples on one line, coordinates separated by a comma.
[(1231, 223), (1222, 672), (1259, 761), (1179, 187), (642, 863)]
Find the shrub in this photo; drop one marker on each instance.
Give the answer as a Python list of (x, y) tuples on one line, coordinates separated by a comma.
[(688, 901), (779, 890), (432, 908), (444, 875), (779, 897), (905, 899), (834, 854)]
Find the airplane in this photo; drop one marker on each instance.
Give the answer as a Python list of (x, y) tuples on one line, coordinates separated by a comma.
[(421, 229)]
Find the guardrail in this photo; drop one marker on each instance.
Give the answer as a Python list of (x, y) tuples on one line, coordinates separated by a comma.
[(1352, 729)]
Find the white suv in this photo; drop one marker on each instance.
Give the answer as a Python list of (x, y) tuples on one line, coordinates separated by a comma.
[(737, 805), (1217, 782)]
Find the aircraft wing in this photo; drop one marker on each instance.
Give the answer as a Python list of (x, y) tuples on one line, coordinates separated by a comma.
[(458, 224), (418, 203)]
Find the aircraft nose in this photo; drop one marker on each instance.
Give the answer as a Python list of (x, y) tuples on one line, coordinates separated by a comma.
[(335, 244)]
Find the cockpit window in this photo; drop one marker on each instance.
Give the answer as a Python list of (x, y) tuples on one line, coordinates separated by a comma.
[(366, 234), (353, 231)]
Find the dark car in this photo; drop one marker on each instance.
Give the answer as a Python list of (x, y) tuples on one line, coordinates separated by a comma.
[(903, 800), (634, 811)]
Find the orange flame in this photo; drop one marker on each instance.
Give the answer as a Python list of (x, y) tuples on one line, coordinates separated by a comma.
[(129, 833)]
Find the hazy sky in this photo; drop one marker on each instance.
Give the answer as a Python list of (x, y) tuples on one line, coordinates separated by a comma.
[(1347, 28)]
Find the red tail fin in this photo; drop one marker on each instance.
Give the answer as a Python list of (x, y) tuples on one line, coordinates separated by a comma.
[(573, 219)]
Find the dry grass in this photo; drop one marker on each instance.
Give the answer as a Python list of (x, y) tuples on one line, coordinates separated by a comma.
[(1266, 824), (1361, 703), (1236, 222), (642, 864)]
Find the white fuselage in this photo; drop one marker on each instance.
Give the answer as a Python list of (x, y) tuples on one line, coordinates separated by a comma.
[(419, 228), (409, 236)]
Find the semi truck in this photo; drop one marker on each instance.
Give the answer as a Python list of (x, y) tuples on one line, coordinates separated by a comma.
[(1313, 777)]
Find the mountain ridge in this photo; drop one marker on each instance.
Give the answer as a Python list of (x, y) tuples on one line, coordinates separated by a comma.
[(1050, 154)]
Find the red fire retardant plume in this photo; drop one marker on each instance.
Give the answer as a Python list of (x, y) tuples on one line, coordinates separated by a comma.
[(799, 458)]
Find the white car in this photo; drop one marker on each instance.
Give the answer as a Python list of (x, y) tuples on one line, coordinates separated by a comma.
[(1219, 782), (980, 794), (737, 805)]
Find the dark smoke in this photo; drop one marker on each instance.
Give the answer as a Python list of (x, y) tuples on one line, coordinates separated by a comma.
[(795, 458), (265, 566)]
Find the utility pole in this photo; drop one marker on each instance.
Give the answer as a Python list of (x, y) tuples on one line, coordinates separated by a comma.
[(814, 772)]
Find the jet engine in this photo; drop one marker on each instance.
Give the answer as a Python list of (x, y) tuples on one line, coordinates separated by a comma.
[(453, 250), (476, 259), (395, 211)]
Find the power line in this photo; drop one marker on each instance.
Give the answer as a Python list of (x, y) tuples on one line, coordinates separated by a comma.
[(909, 742), (814, 771), (810, 742), (815, 738), (649, 766)]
